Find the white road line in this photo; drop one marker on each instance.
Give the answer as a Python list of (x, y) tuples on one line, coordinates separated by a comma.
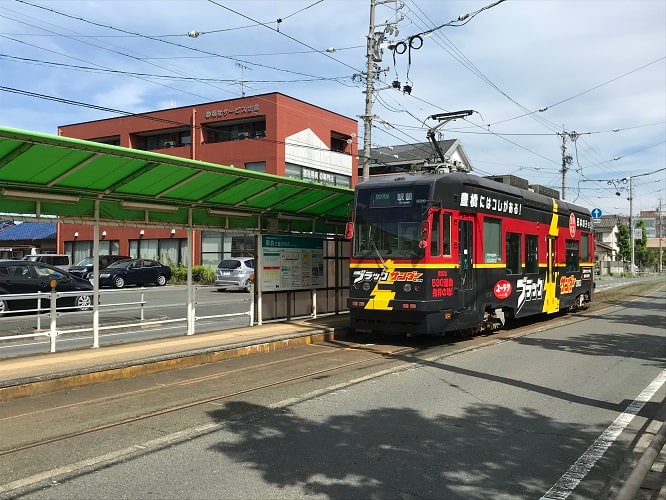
[(568, 482)]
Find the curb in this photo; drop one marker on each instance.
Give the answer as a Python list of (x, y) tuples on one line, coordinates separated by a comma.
[(42, 384)]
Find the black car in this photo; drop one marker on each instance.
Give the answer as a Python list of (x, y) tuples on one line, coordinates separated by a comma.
[(134, 272), (85, 267), (24, 277)]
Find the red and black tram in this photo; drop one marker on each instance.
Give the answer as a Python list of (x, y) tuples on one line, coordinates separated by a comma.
[(439, 253)]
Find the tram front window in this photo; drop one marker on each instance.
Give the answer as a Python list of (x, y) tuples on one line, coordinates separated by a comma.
[(388, 240)]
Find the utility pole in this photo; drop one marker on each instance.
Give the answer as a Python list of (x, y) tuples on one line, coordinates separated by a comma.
[(566, 159), (631, 226), (661, 266), (369, 89), (373, 55)]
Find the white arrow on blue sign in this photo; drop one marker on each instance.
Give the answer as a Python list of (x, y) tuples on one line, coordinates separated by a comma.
[(596, 213)]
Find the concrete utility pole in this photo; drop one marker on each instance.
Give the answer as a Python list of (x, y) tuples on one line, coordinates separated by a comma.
[(369, 89), (631, 226), (661, 266), (373, 55), (566, 159)]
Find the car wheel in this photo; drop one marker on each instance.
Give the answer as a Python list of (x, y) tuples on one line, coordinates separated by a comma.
[(119, 282), (83, 302), (4, 307), (161, 280)]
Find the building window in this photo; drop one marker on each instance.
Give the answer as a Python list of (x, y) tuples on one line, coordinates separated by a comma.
[(79, 250), (113, 141), (161, 139), (492, 240), (216, 246), (256, 166), (341, 143), (170, 252), (235, 130), (185, 138)]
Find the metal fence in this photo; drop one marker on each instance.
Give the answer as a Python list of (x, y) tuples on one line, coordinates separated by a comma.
[(46, 309)]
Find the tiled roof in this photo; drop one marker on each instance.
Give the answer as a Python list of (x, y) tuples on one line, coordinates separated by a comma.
[(606, 222), (29, 231)]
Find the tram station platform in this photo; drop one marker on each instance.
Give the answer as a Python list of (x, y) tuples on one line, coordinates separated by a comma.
[(50, 372)]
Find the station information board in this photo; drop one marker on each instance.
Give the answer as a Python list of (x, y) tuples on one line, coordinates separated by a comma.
[(292, 263)]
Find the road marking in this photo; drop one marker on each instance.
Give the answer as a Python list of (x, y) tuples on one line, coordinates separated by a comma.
[(568, 482)]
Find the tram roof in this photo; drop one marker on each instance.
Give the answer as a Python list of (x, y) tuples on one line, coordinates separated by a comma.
[(44, 176), (464, 179)]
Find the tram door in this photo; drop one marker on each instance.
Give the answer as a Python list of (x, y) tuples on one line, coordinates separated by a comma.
[(465, 254)]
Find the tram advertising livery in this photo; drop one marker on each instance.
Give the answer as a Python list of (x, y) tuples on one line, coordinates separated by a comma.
[(440, 253)]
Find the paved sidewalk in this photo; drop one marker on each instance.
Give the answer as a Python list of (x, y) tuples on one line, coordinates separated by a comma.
[(50, 372)]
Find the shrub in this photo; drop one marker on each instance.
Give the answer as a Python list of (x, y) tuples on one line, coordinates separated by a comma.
[(200, 274)]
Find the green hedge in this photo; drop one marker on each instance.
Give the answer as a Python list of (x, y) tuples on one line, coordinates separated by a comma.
[(200, 274)]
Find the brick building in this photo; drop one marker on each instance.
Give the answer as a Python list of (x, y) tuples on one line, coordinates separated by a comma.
[(270, 133)]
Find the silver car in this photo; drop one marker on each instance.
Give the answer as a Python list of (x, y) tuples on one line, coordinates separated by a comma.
[(237, 272)]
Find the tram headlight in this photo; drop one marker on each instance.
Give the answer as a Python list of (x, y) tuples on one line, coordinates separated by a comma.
[(366, 286), (407, 287)]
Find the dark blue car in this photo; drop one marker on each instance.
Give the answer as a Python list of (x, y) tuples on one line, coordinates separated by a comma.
[(134, 272)]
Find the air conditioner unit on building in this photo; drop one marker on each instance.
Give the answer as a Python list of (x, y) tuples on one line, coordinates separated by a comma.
[(243, 135), (169, 144)]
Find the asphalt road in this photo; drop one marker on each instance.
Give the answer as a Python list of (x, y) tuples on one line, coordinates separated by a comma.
[(542, 411)]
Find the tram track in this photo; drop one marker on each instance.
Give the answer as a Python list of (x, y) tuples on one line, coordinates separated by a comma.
[(197, 402)]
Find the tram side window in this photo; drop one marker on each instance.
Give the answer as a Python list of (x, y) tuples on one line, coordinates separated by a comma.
[(492, 240), (585, 248), (572, 263), (513, 265), (531, 254), (434, 236), (446, 235)]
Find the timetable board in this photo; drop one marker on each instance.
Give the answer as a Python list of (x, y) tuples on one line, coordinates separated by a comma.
[(292, 263)]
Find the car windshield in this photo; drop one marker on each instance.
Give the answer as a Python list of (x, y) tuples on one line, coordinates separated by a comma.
[(229, 264), (86, 262)]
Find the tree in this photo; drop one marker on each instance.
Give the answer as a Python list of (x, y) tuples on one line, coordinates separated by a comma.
[(640, 246), (623, 242)]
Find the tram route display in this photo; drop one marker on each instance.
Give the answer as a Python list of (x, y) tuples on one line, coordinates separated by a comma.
[(439, 253)]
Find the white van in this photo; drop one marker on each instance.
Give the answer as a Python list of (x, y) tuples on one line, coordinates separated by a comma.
[(55, 259)]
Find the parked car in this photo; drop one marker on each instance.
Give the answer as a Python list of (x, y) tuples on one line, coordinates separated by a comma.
[(63, 261), (85, 267), (234, 273), (134, 272), (24, 276)]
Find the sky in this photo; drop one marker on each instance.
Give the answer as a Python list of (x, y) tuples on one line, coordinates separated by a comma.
[(537, 73)]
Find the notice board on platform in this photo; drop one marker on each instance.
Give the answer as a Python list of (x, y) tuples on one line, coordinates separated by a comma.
[(292, 263)]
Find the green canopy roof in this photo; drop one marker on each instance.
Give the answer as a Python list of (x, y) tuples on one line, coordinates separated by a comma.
[(44, 175)]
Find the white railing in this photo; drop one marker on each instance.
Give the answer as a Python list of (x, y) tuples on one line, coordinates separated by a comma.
[(52, 312)]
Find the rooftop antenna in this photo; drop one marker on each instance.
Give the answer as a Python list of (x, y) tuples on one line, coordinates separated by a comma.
[(242, 81)]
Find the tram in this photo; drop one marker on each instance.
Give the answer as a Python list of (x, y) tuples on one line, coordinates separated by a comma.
[(434, 254)]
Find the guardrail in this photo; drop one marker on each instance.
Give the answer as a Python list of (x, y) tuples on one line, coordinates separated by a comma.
[(52, 312)]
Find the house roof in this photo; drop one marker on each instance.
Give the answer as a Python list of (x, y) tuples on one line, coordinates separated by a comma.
[(33, 231), (606, 222), (420, 152)]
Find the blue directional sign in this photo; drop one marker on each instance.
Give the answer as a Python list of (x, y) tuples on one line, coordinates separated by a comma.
[(596, 213)]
